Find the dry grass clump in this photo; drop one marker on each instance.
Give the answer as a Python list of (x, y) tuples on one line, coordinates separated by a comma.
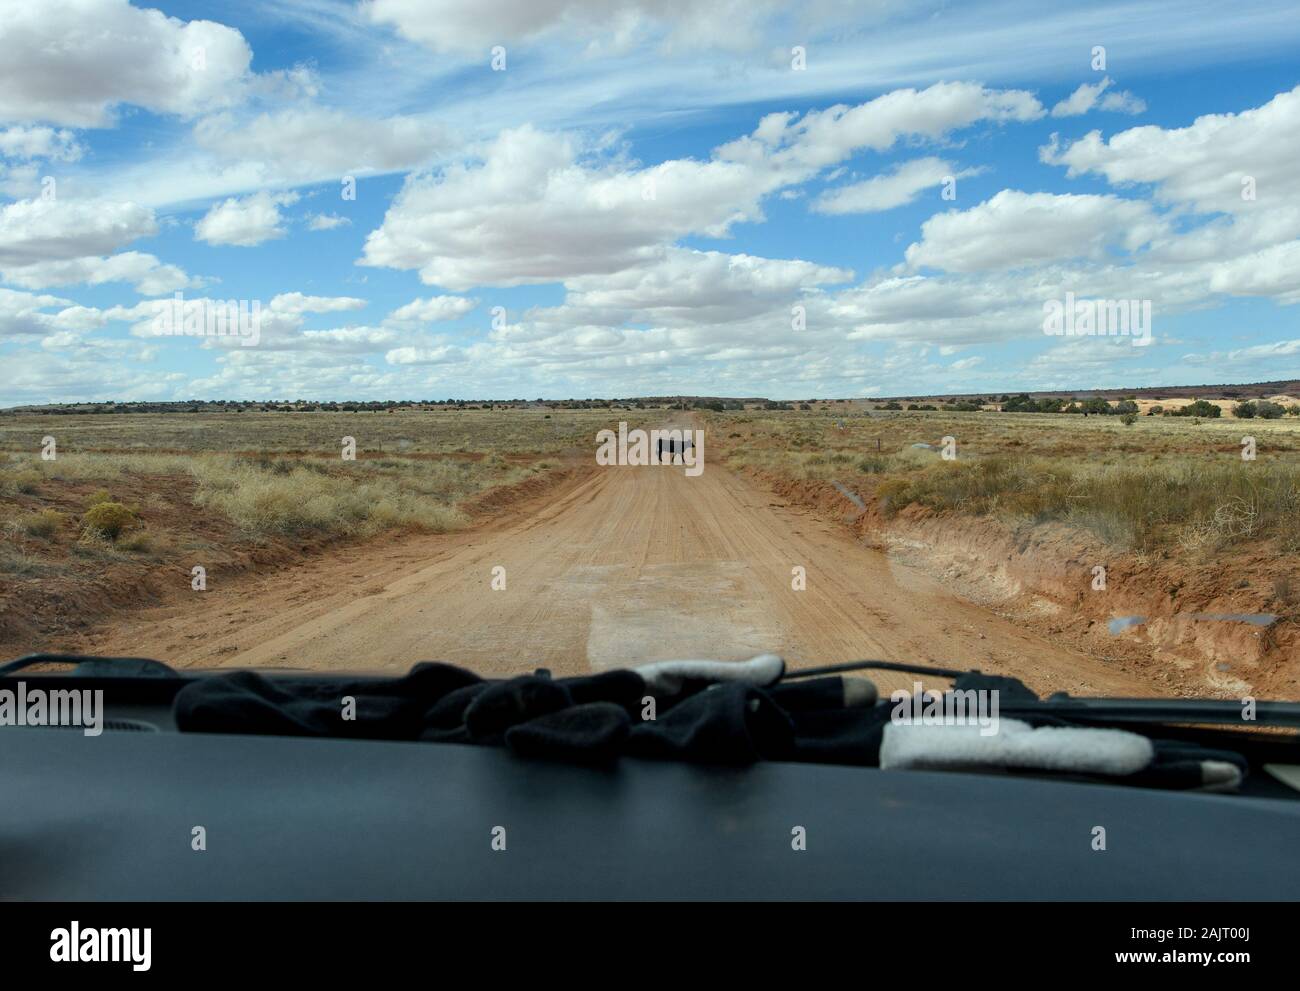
[(137, 542), (17, 562), (16, 478), (347, 498), (45, 523)]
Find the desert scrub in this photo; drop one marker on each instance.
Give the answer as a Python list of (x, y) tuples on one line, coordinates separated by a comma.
[(45, 523), (16, 480), (25, 472), (1142, 507), (134, 436), (109, 519), (137, 542), (16, 561), (355, 499)]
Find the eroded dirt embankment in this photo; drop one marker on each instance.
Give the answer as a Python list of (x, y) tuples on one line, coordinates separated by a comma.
[(1223, 626)]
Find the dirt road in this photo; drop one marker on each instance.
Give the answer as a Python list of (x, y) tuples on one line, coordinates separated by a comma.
[(623, 566)]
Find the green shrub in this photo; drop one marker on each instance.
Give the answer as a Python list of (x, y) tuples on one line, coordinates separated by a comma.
[(109, 519), (1199, 408)]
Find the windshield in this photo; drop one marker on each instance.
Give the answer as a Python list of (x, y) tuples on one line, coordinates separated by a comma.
[(586, 344)]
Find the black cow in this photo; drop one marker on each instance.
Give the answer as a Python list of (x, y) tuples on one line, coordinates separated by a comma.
[(673, 447)]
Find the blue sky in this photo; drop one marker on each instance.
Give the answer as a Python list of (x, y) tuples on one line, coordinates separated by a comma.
[(646, 198)]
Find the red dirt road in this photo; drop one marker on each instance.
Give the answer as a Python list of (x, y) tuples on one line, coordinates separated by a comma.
[(621, 567)]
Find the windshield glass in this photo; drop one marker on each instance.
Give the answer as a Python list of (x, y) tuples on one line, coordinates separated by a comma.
[(588, 344)]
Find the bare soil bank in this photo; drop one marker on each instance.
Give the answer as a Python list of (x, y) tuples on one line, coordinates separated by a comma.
[(1203, 630)]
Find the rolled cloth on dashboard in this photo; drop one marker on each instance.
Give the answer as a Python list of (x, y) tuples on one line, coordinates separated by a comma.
[(1015, 744), (708, 711), (705, 711)]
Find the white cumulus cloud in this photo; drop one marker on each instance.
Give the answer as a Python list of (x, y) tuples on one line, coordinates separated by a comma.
[(1014, 229), (246, 221), (40, 230), (71, 62)]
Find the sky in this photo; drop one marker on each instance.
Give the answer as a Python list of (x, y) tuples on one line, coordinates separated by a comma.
[(495, 199)]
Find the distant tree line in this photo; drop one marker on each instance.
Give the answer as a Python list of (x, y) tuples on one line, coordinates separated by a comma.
[(957, 407)]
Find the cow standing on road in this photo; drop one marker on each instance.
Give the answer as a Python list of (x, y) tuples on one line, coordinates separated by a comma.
[(673, 447)]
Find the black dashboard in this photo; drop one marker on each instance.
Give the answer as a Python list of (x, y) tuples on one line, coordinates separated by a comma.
[(114, 817)]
